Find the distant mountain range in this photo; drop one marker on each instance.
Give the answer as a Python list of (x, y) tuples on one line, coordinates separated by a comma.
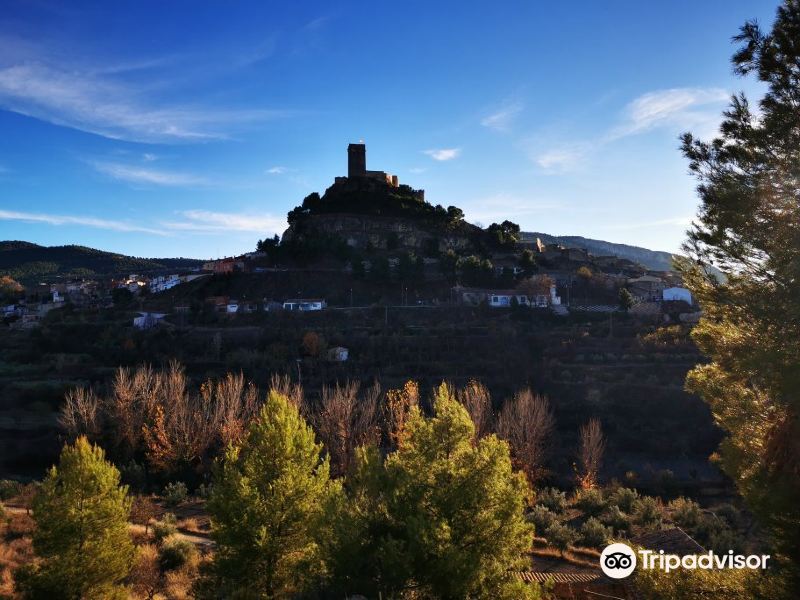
[(652, 259), (30, 263)]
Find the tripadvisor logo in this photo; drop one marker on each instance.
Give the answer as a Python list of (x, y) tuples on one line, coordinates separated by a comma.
[(619, 561)]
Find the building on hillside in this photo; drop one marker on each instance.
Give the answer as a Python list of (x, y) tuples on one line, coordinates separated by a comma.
[(338, 354), (677, 293), (646, 288), (304, 304), (148, 320), (506, 298), (232, 307), (163, 283)]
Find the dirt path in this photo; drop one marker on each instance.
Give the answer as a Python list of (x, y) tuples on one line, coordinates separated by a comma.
[(198, 539)]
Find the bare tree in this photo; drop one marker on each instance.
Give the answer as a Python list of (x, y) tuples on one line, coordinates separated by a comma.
[(478, 402), (146, 578), (81, 413), (143, 510), (526, 422), (590, 454), (398, 406), (346, 420), (293, 391)]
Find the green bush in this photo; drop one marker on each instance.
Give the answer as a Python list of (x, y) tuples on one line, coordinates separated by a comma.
[(165, 527), (624, 498), (560, 536), (647, 512), (542, 518), (175, 493), (553, 499), (715, 534), (9, 489), (616, 519), (175, 553), (593, 534), (591, 502), (685, 513), (730, 514)]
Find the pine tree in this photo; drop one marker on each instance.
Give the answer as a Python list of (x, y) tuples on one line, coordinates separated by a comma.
[(749, 227), (267, 499), (443, 515), (81, 536)]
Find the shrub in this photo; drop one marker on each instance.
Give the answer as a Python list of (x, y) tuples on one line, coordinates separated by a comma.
[(560, 536), (591, 502), (542, 518), (594, 534), (165, 527), (730, 514), (552, 499), (175, 553), (204, 490), (714, 533), (685, 513), (624, 498), (175, 493), (9, 489), (616, 519), (134, 476), (647, 512)]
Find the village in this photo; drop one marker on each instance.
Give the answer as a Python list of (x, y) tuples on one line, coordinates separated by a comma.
[(577, 281)]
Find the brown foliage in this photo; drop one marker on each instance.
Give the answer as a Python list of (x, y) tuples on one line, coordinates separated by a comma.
[(347, 418), (478, 402), (397, 409), (152, 412), (526, 422), (145, 578), (143, 509)]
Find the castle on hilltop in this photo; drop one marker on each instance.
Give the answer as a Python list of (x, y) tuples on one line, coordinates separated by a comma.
[(357, 165), (358, 178)]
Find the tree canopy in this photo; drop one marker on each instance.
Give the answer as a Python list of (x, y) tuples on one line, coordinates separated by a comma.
[(749, 227), (81, 535)]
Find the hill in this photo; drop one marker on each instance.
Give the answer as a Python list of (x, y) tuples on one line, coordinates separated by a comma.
[(30, 263), (655, 260)]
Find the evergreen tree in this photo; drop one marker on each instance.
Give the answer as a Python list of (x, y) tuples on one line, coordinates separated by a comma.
[(625, 299), (265, 507), (749, 227), (442, 515), (81, 535)]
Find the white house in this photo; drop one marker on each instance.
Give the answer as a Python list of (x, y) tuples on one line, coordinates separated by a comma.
[(163, 283), (677, 293), (338, 354), (304, 304), (148, 320)]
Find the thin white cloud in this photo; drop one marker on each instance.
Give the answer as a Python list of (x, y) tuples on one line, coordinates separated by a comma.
[(417, 170), (562, 158), (149, 157), (443, 153), (278, 170), (50, 219), (141, 175), (214, 222), (677, 108), (502, 119), (102, 105)]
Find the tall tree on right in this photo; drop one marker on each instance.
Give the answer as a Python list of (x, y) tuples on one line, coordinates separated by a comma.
[(749, 227)]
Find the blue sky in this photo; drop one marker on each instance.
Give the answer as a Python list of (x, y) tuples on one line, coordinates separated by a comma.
[(191, 128)]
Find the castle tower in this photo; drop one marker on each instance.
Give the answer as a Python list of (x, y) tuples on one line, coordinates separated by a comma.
[(356, 160)]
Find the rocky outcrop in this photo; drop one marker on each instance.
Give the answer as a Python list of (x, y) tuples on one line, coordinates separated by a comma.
[(363, 231)]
